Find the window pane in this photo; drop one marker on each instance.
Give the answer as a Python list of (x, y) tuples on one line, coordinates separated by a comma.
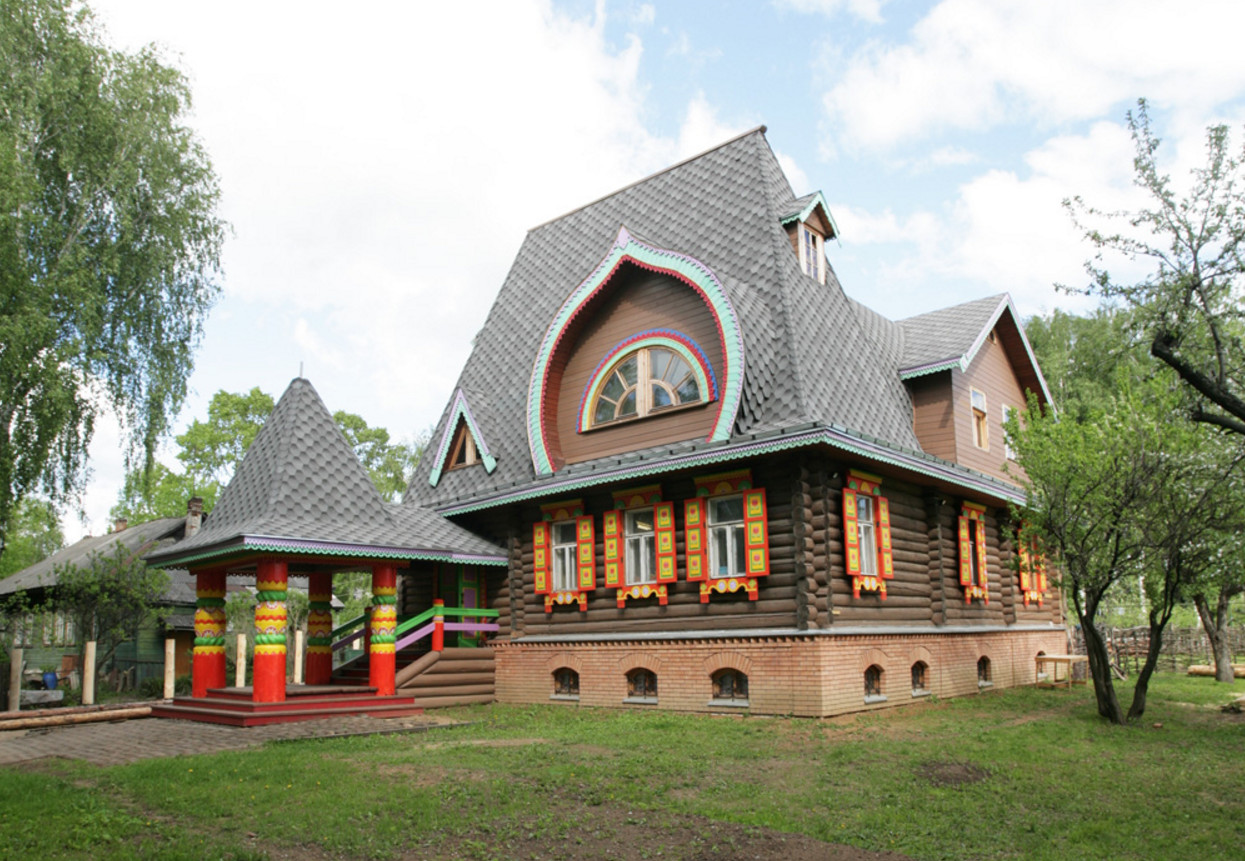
[(627, 407), (604, 412), (728, 510), (688, 391), (564, 533), (614, 388), (629, 371), (661, 396), (660, 361), (678, 369)]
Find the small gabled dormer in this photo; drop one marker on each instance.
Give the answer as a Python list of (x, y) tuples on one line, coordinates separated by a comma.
[(809, 224)]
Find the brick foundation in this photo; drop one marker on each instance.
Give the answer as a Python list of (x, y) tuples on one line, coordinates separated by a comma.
[(797, 674)]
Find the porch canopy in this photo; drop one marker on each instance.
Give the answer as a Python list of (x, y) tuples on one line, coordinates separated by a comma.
[(300, 499)]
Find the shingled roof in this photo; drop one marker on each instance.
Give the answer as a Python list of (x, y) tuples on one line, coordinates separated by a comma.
[(301, 489), (816, 361)]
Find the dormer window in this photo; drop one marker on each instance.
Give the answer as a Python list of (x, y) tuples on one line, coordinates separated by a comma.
[(660, 373), (812, 253)]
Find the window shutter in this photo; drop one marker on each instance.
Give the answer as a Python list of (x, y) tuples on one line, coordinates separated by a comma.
[(886, 564), (981, 556), (541, 562), (851, 533), (1026, 579), (695, 513), (585, 554), (756, 532), (966, 553), (663, 527), (611, 522)]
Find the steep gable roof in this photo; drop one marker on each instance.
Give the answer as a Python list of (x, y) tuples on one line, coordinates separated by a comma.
[(951, 337), (813, 357), (300, 487)]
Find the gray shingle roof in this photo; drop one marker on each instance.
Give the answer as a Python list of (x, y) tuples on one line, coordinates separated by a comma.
[(139, 537), (300, 487), (812, 354), (935, 340)]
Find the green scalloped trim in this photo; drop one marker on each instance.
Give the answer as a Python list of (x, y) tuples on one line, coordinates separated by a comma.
[(209, 641), (273, 595), (384, 599), (270, 639), (249, 549), (319, 641), (208, 603), (319, 607), (384, 638), (691, 270)]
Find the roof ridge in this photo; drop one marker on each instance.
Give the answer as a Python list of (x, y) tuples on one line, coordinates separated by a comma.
[(654, 175)]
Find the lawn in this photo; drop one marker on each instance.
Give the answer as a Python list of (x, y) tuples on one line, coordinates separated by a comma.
[(1025, 773)]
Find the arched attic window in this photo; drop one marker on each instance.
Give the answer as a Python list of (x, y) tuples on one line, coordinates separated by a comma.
[(648, 374)]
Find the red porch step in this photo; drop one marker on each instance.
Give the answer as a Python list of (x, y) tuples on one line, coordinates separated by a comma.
[(234, 706)]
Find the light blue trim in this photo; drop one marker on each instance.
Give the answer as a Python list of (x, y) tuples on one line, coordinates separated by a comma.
[(818, 200), (460, 409)]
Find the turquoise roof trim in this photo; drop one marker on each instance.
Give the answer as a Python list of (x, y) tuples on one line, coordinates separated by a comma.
[(698, 276), (460, 409), (803, 214)]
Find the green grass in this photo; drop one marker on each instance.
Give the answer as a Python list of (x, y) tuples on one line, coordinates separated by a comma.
[(1046, 779)]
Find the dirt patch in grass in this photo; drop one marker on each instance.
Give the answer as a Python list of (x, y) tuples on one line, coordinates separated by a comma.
[(952, 773), (485, 742)]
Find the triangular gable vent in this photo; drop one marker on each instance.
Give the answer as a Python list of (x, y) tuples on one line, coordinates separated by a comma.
[(462, 444)]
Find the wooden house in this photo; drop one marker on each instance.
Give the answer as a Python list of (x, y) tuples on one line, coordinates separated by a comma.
[(683, 469)]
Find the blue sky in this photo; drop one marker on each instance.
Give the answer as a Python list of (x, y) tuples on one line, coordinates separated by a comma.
[(380, 165)]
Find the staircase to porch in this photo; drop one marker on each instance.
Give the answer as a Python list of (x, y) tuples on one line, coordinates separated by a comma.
[(235, 707), (450, 677)]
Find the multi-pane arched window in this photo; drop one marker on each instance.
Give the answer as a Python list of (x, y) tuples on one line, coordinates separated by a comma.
[(644, 382)]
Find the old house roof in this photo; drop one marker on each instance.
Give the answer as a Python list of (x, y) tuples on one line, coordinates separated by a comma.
[(139, 538), (301, 489), (819, 367)]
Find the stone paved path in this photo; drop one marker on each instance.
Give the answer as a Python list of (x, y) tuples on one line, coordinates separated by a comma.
[(106, 743)]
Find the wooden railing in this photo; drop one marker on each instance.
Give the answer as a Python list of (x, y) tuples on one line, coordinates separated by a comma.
[(430, 622)]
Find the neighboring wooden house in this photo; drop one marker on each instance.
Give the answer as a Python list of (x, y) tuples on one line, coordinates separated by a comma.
[(48, 637), (685, 470)]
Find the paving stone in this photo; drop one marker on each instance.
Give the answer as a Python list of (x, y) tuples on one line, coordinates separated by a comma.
[(119, 742)]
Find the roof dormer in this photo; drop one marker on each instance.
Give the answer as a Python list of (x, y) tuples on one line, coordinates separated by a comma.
[(809, 224)]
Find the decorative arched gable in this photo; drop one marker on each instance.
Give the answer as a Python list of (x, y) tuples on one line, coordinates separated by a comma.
[(460, 414), (688, 270)]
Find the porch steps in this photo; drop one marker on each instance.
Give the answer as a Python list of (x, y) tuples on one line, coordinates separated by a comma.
[(234, 706), (455, 676)]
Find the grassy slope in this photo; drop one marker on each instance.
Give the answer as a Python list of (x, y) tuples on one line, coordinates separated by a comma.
[(1017, 774)]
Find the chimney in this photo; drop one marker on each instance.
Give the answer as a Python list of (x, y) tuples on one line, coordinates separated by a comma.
[(120, 525), (194, 515)]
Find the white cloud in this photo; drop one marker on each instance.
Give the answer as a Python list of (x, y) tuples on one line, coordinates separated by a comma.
[(867, 10), (973, 64), (1004, 231)]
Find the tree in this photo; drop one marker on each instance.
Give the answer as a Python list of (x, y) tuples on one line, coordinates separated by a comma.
[(158, 493), (1190, 305), (212, 449), (109, 245), (34, 534), (389, 464), (110, 597)]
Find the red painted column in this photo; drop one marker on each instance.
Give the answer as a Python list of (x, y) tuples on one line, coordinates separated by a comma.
[(268, 674), (381, 660), (207, 669), (318, 668), (438, 625)]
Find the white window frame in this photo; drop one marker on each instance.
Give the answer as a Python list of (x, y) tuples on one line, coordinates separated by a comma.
[(565, 557), (983, 442), (867, 534), (810, 241), (1008, 451), (734, 532), (640, 548)]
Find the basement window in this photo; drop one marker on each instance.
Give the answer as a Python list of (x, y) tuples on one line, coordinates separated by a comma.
[(873, 685), (641, 687), (565, 684), (920, 679), (730, 688)]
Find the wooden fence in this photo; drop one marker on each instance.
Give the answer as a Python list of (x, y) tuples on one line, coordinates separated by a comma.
[(1182, 647)]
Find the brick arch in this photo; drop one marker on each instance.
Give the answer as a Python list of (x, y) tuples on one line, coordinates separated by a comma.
[(564, 659), (920, 653), (641, 661), (727, 661), (873, 656)]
